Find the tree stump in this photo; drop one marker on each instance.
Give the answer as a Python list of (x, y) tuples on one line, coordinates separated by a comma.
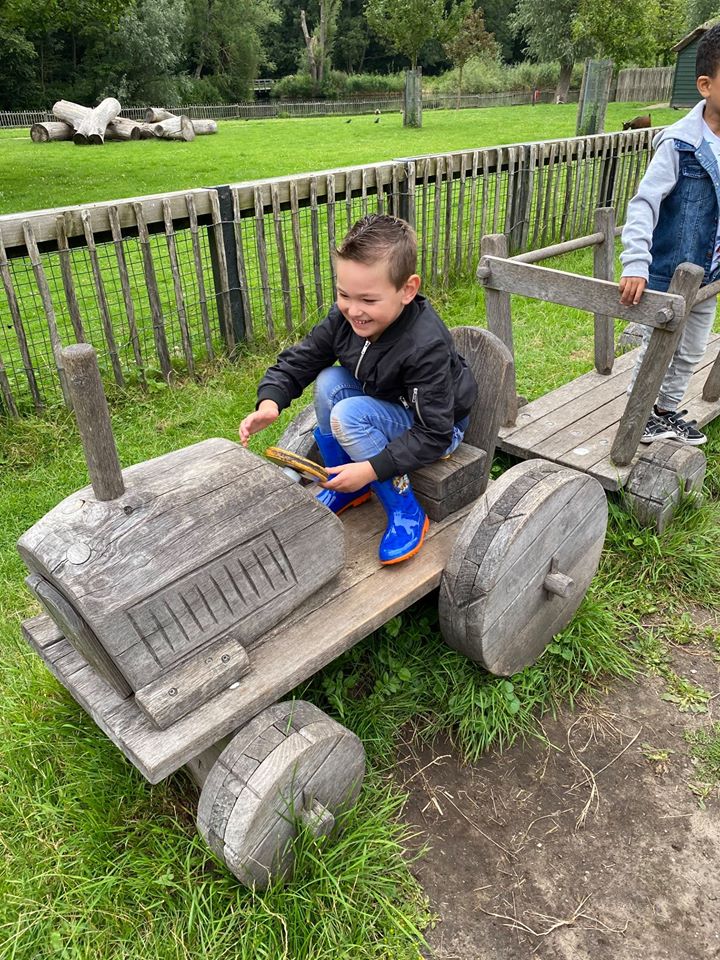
[(291, 765), (50, 130), (664, 472), (521, 564), (412, 98)]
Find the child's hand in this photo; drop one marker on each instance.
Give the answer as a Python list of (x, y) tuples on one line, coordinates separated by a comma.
[(350, 477), (265, 414), (631, 289)]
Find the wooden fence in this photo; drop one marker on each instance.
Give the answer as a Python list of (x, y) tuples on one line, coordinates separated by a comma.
[(268, 109), (644, 85), (160, 283)]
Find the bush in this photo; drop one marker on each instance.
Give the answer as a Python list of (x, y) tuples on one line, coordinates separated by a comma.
[(485, 75), (337, 86)]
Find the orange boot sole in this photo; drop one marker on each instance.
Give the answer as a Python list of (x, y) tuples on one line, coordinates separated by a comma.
[(426, 525), (354, 503)]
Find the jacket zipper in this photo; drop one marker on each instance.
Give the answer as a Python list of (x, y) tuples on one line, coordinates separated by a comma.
[(416, 402), (360, 359)]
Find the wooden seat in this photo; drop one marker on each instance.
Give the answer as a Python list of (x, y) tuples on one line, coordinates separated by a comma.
[(450, 483)]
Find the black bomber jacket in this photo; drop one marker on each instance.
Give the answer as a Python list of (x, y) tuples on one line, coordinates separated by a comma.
[(414, 362)]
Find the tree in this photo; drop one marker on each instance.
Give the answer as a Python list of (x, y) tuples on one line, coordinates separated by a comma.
[(470, 40), (407, 25), (699, 12), (622, 32), (548, 35), (319, 44)]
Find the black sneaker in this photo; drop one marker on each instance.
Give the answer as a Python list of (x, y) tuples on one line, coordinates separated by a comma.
[(658, 427), (685, 430)]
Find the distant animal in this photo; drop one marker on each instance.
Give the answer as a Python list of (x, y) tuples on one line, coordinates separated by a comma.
[(638, 123), (377, 112), (349, 121), (377, 120)]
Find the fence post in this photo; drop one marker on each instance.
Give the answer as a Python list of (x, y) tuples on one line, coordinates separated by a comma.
[(412, 98), (519, 209), (231, 311), (604, 269), (499, 319), (594, 97)]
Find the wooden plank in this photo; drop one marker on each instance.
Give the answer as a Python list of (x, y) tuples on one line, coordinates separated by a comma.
[(379, 193), (510, 211), (555, 232), (558, 249), (498, 189), (570, 171), (485, 202), (68, 281), (582, 293), (349, 214), (472, 213), (579, 168), (102, 301), (282, 258), (435, 262), (18, 326), (261, 248), (424, 208), (460, 241), (499, 321), (411, 188), (178, 290), (48, 308), (604, 269), (539, 206), (315, 236), (225, 307), (331, 232), (686, 282), (199, 274), (364, 192), (242, 270), (395, 194), (281, 658), (126, 291), (298, 251), (158, 321)]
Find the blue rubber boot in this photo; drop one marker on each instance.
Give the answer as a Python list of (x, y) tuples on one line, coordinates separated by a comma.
[(333, 455), (407, 522)]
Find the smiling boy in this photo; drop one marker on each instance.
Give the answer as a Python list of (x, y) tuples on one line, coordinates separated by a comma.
[(400, 397)]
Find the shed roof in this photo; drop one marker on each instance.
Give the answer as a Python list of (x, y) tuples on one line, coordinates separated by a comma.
[(697, 32)]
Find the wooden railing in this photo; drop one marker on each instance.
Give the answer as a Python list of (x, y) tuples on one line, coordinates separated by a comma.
[(645, 84), (160, 283)]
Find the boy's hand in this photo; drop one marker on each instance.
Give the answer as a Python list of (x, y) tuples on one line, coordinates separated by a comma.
[(631, 289), (265, 414), (350, 477)]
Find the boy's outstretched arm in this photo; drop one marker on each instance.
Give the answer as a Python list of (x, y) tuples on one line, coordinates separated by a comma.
[(266, 413)]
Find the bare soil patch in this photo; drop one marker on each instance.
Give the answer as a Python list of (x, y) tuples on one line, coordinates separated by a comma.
[(589, 846)]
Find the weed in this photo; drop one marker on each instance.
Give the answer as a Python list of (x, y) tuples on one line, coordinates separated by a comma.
[(705, 753)]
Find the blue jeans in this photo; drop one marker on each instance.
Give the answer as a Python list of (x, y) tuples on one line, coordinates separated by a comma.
[(362, 425)]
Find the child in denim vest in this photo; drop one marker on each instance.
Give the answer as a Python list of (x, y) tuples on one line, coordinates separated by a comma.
[(673, 218), (400, 398)]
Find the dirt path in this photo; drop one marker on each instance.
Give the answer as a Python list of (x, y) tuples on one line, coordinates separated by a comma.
[(591, 846)]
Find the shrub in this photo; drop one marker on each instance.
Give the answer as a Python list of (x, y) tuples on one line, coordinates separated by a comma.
[(337, 86)]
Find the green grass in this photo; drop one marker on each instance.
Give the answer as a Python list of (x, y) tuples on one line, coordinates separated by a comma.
[(98, 864), (63, 174)]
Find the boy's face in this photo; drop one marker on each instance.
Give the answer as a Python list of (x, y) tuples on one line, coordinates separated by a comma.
[(367, 297), (709, 90)]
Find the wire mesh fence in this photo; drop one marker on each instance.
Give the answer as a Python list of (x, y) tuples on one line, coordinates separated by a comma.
[(161, 284)]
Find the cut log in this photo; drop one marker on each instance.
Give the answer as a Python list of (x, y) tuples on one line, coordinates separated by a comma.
[(203, 127), (93, 126), (72, 113), (123, 129), (156, 114), (176, 128), (50, 130)]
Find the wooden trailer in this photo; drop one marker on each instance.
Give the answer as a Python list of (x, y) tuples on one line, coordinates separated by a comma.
[(184, 596), (592, 423)]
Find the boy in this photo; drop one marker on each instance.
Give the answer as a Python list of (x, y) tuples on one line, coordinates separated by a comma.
[(401, 396), (674, 218)]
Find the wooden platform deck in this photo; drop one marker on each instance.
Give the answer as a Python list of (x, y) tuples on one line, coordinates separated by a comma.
[(575, 425), (359, 600)]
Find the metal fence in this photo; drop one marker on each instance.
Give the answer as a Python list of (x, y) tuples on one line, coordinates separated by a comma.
[(644, 84), (158, 284), (266, 109)]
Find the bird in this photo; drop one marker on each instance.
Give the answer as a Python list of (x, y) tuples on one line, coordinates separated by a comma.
[(377, 111), (349, 121), (377, 120)]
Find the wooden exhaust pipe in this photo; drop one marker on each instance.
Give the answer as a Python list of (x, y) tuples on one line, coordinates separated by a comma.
[(93, 420)]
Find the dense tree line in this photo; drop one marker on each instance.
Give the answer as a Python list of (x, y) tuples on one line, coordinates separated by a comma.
[(166, 51)]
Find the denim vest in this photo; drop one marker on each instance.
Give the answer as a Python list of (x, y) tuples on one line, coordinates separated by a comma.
[(688, 218)]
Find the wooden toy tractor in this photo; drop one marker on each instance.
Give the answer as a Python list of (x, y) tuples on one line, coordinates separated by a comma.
[(185, 595)]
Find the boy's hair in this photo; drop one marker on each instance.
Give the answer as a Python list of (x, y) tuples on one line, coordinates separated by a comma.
[(381, 237), (707, 59)]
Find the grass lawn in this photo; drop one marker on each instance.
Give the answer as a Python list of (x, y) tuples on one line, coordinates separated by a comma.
[(38, 176), (98, 865)]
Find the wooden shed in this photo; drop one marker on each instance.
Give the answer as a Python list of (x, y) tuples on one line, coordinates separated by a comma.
[(684, 91)]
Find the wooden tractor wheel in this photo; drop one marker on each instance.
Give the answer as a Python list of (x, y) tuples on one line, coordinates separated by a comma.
[(521, 564), (292, 764)]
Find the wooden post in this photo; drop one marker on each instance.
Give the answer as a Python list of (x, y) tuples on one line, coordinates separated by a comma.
[(711, 390), (93, 419), (518, 202), (594, 97), (499, 320), (231, 311), (686, 282), (604, 269), (412, 98)]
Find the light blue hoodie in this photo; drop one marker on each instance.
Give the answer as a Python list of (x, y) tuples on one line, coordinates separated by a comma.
[(659, 235)]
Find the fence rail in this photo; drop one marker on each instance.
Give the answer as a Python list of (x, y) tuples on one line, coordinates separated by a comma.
[(644, 84), (160, 283), (267, 109)]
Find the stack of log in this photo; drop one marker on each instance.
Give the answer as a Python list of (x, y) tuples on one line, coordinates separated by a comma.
[(85, 125)]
